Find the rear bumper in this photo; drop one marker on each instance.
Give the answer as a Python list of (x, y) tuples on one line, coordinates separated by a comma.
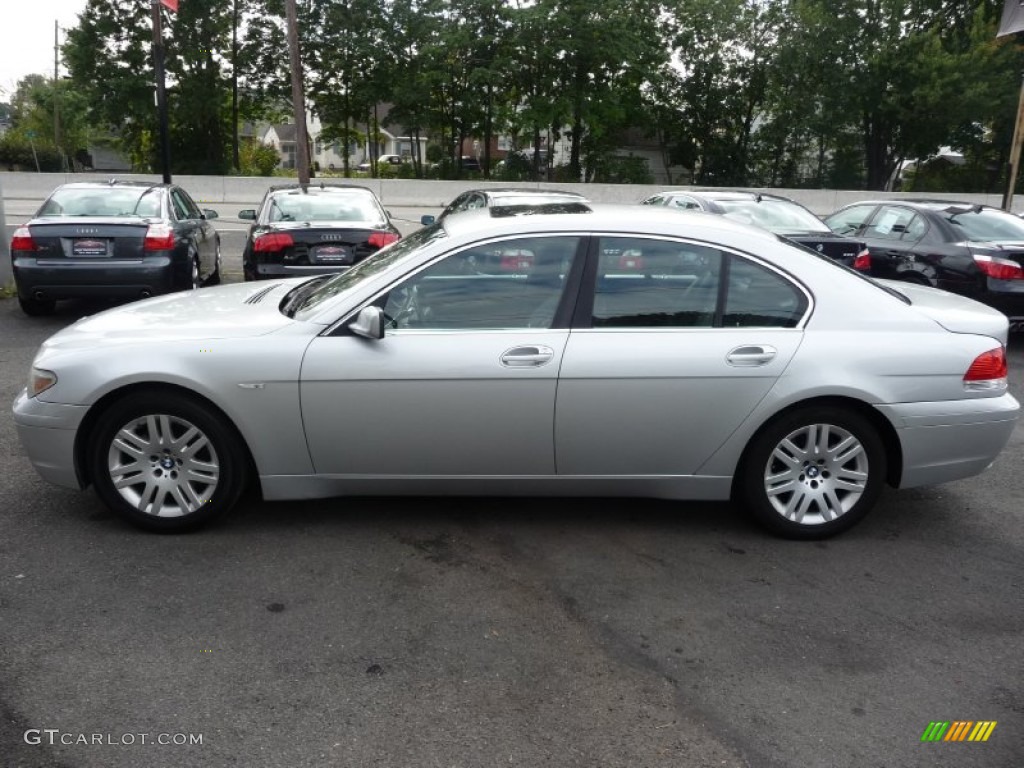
[(278, 271), (131, 278), (47, 433), (953, 439)]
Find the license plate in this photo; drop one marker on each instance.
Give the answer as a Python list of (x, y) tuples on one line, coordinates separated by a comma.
[(89, 248), (333, 254)]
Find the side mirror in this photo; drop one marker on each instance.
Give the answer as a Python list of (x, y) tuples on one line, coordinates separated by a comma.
[(369, 323), (248, 213), (209, 213), (427, 219)]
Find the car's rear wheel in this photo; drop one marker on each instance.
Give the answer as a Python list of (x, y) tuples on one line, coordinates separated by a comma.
[(37, 307), (813, 473), (166, 462)]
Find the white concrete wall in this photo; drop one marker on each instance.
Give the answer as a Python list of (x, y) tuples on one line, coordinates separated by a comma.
[(246, 192)]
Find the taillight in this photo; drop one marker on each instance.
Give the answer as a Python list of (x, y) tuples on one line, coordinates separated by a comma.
[(863, 261), (988, 371), (631, 260), (159, 237), (515, 262), (273, 241), (380, 239), (22, 240), (999, 269)]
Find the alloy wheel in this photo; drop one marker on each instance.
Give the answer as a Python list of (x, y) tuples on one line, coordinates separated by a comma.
[(163, 465), (816, 474)]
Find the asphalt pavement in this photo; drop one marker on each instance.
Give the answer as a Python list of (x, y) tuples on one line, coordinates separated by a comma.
[(479, 632)]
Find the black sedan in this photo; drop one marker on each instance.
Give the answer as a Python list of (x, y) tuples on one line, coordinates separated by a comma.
[(973, 250), (777, 214), (314, 229), (119, 239)]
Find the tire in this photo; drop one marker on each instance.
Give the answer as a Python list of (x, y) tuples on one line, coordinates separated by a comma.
[(214, 278), (37, 307), (830, 491), (143, 446), (195, 282)]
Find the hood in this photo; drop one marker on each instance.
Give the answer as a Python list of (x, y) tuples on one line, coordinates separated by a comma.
[(237, 310), (957, 314)]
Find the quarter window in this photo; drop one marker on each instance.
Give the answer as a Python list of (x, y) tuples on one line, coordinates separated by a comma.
[(758, 297), (510, 284)]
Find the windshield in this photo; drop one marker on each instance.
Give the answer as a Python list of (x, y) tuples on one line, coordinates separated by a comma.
[(324, 205), (103, 201), (374, 265), (778, 216), (985, 225)]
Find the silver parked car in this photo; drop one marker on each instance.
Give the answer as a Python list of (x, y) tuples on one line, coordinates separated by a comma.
[(621, 351)]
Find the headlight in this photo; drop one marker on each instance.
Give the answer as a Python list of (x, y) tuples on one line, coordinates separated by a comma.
[(39, 381)]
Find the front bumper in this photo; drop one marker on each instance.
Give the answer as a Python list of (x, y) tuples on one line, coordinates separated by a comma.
[(953, 439), (47, 432), (120, 278)]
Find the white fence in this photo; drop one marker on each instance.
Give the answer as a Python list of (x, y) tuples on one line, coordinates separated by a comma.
[(247, 191)]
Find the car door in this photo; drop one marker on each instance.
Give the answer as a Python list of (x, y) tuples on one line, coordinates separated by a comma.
[(196, 229), (664, 361), (463, 382)]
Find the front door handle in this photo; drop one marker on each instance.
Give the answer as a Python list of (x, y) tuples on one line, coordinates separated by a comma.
[(527, 357), (747, 357)]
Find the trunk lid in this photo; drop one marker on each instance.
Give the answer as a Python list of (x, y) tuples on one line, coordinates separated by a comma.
[(836, 247), (87, 238), (337, 244), (955, 313)]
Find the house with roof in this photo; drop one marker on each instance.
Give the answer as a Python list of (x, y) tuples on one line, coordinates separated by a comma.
[(327, 154)]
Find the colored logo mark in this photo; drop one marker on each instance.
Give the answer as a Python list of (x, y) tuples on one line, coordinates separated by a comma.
[(959, 730)]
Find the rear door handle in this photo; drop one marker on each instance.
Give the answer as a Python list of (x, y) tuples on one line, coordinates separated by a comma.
[(527, 357), (748, 357)]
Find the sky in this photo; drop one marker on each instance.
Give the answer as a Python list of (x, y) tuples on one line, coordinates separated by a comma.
[(26, 37)]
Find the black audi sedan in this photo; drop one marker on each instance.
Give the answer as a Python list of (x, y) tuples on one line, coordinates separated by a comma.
[(116, 239), (974, 250), (777, 214), (314, 229)]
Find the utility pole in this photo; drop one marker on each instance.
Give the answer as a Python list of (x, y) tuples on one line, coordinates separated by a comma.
[(161, 88), (298, 99), (1018, 138), (56, 97)]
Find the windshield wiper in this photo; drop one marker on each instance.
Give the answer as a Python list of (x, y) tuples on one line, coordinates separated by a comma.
[(294, 297)]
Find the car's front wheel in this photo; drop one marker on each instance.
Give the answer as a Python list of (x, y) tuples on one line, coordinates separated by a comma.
[(166, 462), (813, 472)]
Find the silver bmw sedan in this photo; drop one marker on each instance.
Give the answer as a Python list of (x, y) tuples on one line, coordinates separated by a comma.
[(608, 351)]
